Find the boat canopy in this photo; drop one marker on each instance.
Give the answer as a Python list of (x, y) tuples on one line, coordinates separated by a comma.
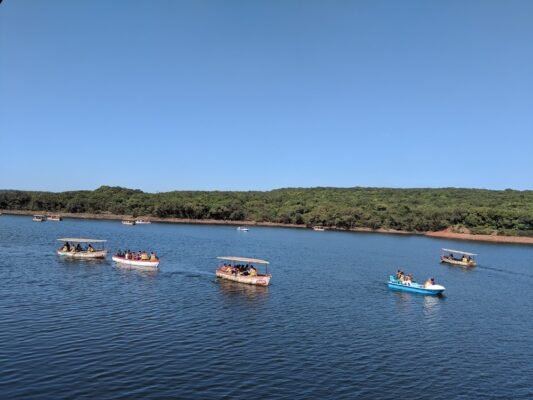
[(79, 240), (244, 259), (460, 252)]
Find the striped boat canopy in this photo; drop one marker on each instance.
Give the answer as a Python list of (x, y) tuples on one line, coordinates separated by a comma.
[(79, 240), (460, 252), (243, 259)]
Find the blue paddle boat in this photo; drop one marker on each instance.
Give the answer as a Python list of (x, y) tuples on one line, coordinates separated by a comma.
[(415, 287)]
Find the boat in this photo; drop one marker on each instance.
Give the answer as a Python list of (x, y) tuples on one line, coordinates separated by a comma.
[(78, 251), (408, 286), (149, 264), (54, 218), (141, 221), (39, 218), (235, 269), (128, 222), (243, 228), (457, 257), (319, 228)]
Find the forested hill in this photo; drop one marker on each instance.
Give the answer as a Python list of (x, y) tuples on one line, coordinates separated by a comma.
[(507, 212)]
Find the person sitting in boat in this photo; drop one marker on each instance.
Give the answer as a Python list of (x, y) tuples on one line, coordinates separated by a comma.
[(430, 282), (90, 248), (253, 271), (78, 247), (144, 256), (398, 274), (153, 257)]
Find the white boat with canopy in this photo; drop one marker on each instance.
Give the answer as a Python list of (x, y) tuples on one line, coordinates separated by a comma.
[(75, 248), (39, 218), (137, 261), (128, 222), (243, 270), (458, 257), (142, 221)]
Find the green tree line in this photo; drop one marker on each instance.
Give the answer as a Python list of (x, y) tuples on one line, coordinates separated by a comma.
[(507, 212)]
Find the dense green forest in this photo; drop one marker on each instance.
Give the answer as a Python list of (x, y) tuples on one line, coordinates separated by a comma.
[(507, 212)]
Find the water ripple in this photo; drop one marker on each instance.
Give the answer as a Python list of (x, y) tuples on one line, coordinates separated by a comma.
[(327, 327)]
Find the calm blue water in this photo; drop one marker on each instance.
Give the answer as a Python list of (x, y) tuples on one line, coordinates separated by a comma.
[(327, 327)]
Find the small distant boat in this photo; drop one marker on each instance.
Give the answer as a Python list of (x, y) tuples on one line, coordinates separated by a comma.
[(141, 221), (128, 222), (242, 270), (243, 228), (54, 218), (414, 287), (457, 257), (39, 218), (78, 251), (319, 228), (136, 263)]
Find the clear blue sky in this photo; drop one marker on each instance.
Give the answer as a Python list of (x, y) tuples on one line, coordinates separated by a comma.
[(256, 95)]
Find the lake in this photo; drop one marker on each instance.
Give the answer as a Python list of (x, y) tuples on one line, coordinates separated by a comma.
[(327, 327)]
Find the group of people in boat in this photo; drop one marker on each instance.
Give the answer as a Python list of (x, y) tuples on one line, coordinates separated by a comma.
[(238, 269), (464, 258), (141, 255), (78, 248), (408, 279)]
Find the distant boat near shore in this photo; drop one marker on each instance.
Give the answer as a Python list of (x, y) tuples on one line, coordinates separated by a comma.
[(39, 218), (319, 228), (130, 222), (54, 218), (243, 228), (141, 221)]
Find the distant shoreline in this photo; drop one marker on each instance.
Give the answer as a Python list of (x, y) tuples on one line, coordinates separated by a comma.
[(445, 234)]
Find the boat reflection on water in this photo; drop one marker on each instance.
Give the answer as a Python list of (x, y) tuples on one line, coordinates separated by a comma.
[(432, 305), (233, 290), (139, 268), (82, 261)]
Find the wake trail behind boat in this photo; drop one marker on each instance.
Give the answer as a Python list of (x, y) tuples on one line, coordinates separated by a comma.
[(189, 272), (504, 271)]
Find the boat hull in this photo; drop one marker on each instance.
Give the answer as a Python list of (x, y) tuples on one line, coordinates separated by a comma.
[(137, 263), (414, 287), (83, 255), (447, 260), (258, 280)]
